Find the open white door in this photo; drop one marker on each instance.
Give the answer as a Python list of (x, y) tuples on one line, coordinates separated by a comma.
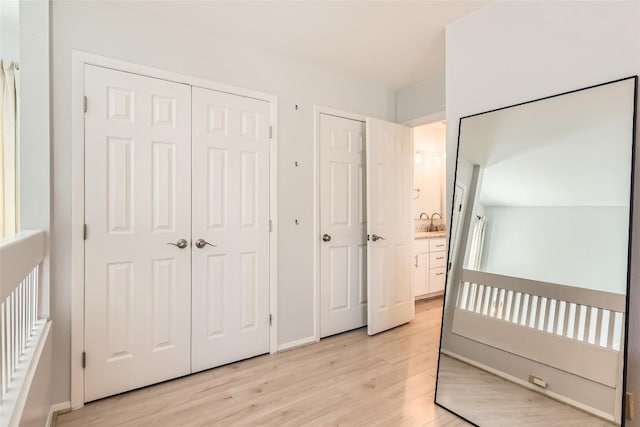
[(454, 233), (389, 225)]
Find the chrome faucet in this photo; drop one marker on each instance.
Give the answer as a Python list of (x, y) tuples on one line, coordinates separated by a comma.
[(433, 215), (425, 214)]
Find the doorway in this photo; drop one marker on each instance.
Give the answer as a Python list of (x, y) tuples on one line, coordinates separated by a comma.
[(177, 218), (364, 226), (429, 209)]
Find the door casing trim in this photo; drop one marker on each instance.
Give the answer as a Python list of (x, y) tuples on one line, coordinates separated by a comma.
[(79, 60)]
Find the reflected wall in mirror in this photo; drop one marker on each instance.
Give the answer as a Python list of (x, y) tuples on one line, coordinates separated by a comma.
[(534, 319), (429, 170)]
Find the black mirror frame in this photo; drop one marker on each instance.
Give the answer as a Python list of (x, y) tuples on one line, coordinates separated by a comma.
[(629, 244)]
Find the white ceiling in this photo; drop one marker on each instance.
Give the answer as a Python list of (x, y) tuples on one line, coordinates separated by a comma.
[(572, 150), (392, 43)]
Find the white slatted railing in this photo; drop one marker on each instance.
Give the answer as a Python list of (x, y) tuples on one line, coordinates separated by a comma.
[(585, 315), (22, 318)]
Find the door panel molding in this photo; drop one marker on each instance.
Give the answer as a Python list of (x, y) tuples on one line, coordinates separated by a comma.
[(343, 224), (138, 288), (241, 236), (317, 112), (389, 200), (162, 114)]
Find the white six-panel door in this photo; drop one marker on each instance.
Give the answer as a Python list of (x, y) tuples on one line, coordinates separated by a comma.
[(456, 216), (231, 217), (389, 225), (343, 280), (137, 201)]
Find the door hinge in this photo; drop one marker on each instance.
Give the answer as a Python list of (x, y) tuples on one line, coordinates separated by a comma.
[(270, 320), (84, 359), (84, 104), (628, 406), (449, 267), (270, 226), (84, 232), (460, 208), (270, 132)]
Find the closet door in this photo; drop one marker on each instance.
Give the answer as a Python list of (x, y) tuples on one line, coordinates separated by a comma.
[(389, 225), (230, 228), (343, 225), (137, 210)]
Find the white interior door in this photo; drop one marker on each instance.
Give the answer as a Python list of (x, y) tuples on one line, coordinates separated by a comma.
[(389, 225), (456, 216), (137, 201), (231, 216), (343, 228)]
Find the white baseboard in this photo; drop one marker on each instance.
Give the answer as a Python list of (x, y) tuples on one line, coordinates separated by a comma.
[(555, 396), (297, 343), (58, 407), (434, 295)]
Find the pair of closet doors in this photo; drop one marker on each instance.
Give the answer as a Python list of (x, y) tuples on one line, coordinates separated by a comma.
[(177, 230)]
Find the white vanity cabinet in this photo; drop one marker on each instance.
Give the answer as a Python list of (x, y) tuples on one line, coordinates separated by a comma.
[(430, 262)]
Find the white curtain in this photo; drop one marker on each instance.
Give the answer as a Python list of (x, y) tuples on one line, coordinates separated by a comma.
[(477, 242), (9, 147)]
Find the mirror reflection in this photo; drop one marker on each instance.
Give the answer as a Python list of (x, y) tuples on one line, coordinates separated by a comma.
[(533, 329)]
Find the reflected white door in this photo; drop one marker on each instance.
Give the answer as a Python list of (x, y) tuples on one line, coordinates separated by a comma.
[(456, 216), (231, 213), (137, 201), (389, 225), (343, 229)]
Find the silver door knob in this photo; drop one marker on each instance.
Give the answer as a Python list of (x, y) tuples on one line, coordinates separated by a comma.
[(375, 238), (326, 238), (201, 243), (181, 244)]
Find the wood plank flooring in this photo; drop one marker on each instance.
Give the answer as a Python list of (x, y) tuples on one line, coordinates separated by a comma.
[(348, 379), (489, 400)]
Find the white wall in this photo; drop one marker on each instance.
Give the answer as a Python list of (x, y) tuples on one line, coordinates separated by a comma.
[(510, 52), (35, 174), (9, 30), (9, 44), (429, 173), (421, 99), (117, 30), (569, 245)]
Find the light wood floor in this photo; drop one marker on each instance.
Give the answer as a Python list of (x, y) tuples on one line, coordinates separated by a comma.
[(349, 379), (489, 400)]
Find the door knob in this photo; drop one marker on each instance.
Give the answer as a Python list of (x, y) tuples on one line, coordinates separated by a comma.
[(326, 238), (375, 238), (201, 243), (181, 244)]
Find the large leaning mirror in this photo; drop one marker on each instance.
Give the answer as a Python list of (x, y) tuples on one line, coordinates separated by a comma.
[(534, 318)]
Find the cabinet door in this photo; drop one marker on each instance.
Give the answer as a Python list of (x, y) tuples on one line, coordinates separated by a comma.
[(437, 259), (420, 271), (436, 279)]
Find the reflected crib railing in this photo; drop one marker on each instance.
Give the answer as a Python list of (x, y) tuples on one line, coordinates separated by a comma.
[(584, 315), (23, 320)]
